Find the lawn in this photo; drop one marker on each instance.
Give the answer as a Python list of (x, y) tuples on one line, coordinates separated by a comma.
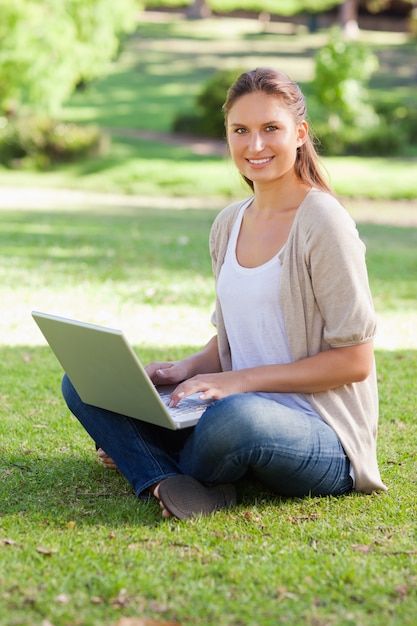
[(76, 547)]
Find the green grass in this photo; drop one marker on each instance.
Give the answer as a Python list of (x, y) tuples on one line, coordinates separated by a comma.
[(144, 168), (77, 548)]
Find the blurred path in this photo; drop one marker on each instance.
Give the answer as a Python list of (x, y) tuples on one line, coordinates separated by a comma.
[(398, 212), (198, 145)]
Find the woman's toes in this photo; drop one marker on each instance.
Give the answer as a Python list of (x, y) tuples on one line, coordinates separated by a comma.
[(107, 462), (155, 492)]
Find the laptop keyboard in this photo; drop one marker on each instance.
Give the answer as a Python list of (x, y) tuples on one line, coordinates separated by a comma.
[(187, 406)]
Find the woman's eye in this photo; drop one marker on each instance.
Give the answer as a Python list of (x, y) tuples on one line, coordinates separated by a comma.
[(240, 131), (271, 128)]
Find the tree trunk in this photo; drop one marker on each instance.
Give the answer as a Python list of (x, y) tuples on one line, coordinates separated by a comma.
[(198, 10), (348, 18)]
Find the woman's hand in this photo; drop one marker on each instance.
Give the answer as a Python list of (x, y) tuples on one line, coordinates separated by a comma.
[(167, 372), (209, 386), (174, 372)]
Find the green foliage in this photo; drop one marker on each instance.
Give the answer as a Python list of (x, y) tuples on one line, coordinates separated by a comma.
[(48, 47), (40, 142), (208, 119), (342, 71), (345, 119), (381, 139), (401, 118)]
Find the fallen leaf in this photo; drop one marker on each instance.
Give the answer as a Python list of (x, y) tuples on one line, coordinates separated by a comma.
[(46, 551), (62, 598), (283, 594), (364, 549), (122, 599), (157, 607), (402, 590), (8, 542), (304, 518)]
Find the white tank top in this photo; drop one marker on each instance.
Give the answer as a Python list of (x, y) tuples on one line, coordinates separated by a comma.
[(255, 327)]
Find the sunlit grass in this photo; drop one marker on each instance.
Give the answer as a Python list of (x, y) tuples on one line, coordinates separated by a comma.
[(76, 547), (148, 168), (148, 269), (385, 178)]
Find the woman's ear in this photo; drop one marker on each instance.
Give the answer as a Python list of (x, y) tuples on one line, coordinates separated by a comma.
[(302, 133)]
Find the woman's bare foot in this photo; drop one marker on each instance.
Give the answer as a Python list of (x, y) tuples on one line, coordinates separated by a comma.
[(106, 461), (155, 492)]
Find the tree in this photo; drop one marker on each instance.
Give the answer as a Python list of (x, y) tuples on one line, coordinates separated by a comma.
[(349, 9), (198, 10), (47, 47), (348, 18)]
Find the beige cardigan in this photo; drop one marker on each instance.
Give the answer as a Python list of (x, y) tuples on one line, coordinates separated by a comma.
[(326, 303)]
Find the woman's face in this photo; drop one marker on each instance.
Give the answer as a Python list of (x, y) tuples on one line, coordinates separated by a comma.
[(263, 137)]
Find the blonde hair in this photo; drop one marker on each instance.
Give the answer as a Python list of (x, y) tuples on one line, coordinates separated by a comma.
[(269, 81)]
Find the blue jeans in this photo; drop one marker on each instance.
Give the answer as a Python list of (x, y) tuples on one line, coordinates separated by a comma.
[(290, 453)]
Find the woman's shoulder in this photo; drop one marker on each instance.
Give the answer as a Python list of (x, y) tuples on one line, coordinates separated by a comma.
[(320, 208)]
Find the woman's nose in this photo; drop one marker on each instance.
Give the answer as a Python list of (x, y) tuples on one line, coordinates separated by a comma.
[(256, 142)]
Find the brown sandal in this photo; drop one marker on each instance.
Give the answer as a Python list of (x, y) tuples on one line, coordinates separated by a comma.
[(184, 497)]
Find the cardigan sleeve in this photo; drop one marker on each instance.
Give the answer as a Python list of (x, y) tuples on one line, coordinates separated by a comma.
[(325, 295), (335, 261)]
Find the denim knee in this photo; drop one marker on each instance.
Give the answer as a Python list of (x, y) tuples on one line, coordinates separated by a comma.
[(290, 452), (237, 418), (227, 427)]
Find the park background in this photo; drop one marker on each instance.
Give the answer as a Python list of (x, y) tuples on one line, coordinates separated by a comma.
[(114, 231)]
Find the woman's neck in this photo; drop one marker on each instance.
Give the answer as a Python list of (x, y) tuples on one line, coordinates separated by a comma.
[(278, 198)]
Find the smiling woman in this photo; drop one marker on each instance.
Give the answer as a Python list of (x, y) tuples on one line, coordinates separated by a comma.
[(290, 369)]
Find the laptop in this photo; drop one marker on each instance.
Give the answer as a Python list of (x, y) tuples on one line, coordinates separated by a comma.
[(107, 373)]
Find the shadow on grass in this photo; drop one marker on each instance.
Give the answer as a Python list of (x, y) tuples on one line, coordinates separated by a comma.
[(119, 243), (162, 68), (48, 467), (139, 246), (49, 471), (71, 488)]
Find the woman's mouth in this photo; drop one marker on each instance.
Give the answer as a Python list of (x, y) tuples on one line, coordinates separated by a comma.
[(259, 162)]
